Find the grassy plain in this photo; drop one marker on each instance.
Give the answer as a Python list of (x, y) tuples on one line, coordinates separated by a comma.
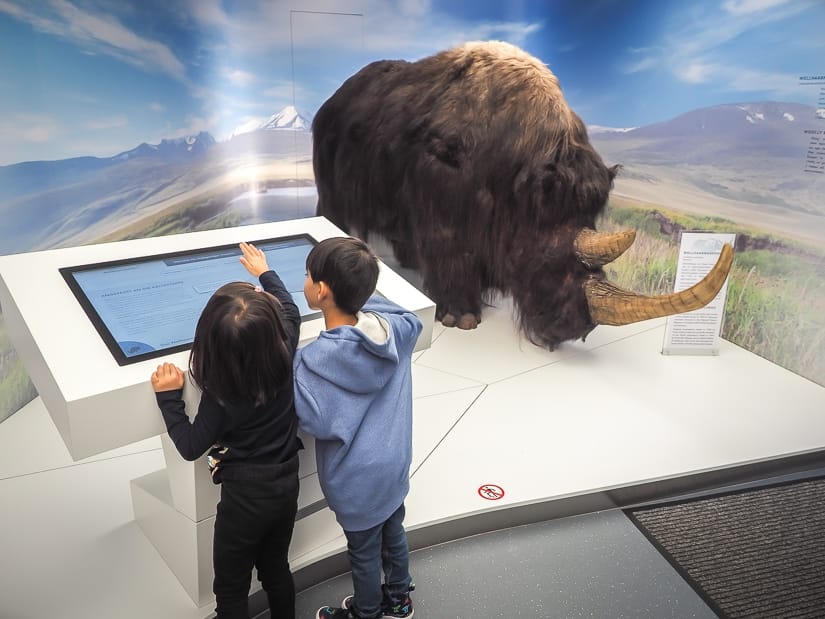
[(775, 297)]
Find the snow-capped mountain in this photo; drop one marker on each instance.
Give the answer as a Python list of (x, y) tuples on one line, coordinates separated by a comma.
[(188, 146), (287, 119), (596, 129), (726, 134), (736, 120)]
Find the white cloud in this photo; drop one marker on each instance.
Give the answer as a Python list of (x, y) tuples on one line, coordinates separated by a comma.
[(107, 123), (30, 128), (744, 7), (355, 31), (404, 28), (414, 8), (157, 107), (207, 12), (696, 72), (98, 33), (512, 32), (738, 79), (748, 80), (38, 133), (239, 77), (643, 64), (694, 46), (193, 125)]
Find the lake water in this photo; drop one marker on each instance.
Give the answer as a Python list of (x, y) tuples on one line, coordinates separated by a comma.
[(277, 204)]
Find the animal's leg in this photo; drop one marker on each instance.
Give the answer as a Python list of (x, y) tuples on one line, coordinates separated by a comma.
[(405, 252), (454, 279)]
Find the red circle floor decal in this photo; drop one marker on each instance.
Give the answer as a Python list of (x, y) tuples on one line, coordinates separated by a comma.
[(491, 492)]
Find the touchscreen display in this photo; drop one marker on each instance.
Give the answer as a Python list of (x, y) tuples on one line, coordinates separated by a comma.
[(148, 307)]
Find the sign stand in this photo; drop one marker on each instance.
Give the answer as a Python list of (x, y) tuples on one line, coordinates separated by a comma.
[(697, 332)]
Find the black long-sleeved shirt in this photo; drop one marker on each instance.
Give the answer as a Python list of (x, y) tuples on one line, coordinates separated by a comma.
[(241, 433)]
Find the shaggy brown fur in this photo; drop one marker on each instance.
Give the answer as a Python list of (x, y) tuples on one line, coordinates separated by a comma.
[(472, 165)]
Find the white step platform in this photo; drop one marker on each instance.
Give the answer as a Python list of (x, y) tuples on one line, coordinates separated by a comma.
[(560, 432), (98, 403)]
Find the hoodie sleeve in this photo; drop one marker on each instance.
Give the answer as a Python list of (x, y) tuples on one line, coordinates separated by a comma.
[(406, 324), (310, 417)]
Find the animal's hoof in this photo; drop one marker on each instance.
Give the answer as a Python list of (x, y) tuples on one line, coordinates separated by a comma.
[(468, 321), (448, 320)]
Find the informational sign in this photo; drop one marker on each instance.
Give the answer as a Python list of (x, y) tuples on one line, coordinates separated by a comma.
[(147, 307), (815, 134), (697, 332)]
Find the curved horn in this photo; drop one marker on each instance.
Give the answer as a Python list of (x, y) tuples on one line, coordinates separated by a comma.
[(596, 249), (611, 305)]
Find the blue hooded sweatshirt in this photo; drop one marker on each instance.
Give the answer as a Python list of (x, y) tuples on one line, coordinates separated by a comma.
[(353, 393)]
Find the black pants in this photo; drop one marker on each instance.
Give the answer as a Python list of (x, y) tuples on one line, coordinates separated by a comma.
[(253, 527)]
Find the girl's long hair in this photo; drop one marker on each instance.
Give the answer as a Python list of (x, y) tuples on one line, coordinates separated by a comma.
[(240, 351)]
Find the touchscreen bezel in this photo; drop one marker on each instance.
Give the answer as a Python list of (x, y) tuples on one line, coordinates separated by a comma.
[(102, 329)]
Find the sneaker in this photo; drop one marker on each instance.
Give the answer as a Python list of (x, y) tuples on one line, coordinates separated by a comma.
[(398, 608), (346, 603), (330, 612), (390, 609)]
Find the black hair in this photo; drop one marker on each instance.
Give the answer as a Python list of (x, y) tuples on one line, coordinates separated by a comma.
[(240, 350), (348, 266)]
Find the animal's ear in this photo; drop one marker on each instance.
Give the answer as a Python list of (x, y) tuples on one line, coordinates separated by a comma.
[(446, 148), (576, 182)]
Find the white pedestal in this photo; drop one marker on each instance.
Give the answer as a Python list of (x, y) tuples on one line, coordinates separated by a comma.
[(180, 527), (98, 405), (185, 544)]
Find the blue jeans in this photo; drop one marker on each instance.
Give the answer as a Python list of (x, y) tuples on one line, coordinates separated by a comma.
[(383, 547)]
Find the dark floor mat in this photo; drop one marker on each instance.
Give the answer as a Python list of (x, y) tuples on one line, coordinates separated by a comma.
[(750, 553)]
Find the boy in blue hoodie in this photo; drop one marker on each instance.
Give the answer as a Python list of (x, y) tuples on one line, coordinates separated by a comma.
[(353, 393)]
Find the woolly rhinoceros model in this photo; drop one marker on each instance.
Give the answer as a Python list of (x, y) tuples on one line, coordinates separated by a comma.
[(472, 165)]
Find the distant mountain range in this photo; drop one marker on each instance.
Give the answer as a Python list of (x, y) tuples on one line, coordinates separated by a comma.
[(23, 178), (721, 134), (745, 162), (46, 203), (749, 151), (178, 148)]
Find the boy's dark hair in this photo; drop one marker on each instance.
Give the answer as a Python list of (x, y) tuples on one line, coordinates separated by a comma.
[(240, 350), (348, 266)]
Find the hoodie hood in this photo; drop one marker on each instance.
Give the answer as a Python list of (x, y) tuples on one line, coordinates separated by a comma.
[(377, 360)]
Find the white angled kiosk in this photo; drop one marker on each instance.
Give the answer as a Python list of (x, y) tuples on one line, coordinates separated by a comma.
[(65, 311)]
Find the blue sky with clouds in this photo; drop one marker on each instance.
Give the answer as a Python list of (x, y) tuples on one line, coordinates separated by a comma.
[(96, 77)]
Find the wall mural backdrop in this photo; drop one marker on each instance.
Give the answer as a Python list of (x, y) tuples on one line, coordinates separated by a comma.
[(130, 119)]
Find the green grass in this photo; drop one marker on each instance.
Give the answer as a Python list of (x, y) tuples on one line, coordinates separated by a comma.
[(648, 267), (775, 300), (207, 214), (16, 390)]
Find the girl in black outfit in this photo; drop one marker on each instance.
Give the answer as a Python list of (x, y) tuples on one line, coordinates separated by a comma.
[(241, 360)]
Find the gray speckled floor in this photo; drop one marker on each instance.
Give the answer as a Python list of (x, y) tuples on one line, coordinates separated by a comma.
[(595, 565)]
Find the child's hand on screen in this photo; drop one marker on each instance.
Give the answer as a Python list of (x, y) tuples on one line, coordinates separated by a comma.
[(253, 259), (167, 377)]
